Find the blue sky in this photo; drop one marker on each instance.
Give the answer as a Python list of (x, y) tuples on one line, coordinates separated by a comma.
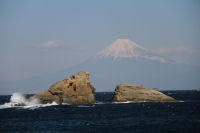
[(42, 36)]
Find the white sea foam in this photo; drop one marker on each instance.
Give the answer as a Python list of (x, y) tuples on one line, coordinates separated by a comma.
[(123, 102), (18, 100), (39, 105), (66, 104)]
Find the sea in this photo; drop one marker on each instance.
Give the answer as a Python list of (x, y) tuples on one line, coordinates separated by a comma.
[(103, 117)]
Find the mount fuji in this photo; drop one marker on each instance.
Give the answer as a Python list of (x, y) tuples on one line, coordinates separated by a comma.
[(124, 48), (123, 61)]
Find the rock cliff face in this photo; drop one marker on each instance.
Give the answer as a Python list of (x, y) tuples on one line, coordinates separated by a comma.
[(76, 89), (128, 92)]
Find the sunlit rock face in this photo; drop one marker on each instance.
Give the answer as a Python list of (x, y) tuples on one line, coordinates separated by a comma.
[(128, 92), (76, 89)]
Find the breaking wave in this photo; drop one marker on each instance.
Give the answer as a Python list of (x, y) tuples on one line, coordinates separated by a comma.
[(18, 100)]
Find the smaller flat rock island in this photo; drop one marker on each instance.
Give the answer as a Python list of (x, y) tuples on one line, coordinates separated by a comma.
[(76, 89), (135, 93)]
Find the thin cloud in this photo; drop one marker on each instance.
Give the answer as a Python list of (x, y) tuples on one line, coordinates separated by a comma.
[(156, 58), (57, 44), (177, 50), (180, 54), (52, 44)]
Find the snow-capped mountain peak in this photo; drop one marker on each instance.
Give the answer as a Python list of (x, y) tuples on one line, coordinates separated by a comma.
[(122, 48), (125, 48)]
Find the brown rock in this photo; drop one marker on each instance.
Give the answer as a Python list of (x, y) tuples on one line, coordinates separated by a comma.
[(128, 92), (46, 97), (76, 89)]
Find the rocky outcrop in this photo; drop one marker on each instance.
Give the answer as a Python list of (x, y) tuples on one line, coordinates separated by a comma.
[(76, 89), (128, 92)]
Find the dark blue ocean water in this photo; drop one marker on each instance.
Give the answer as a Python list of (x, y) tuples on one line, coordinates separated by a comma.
[(107, 117)]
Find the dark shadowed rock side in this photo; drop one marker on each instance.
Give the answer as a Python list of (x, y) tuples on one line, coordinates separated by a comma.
[(128, 92), (76, 89)]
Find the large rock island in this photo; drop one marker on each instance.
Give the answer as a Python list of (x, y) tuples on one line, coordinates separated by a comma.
[(128, 92), (76, 89)]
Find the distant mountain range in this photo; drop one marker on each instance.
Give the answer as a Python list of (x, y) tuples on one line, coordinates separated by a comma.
[(123, 61)]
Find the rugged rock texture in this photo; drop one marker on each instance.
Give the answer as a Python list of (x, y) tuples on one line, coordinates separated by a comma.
[(76, 89), (128, 92)]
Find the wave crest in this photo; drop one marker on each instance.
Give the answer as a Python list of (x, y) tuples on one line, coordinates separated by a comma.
[(19, 100)]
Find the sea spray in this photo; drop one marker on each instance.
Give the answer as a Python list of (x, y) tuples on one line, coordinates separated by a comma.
[(19, 100)]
